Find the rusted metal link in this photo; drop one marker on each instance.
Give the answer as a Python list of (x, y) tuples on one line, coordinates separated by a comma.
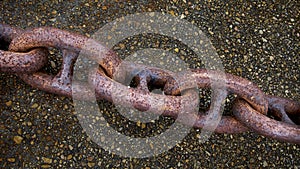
[(285, 109), (234, 84), (252, 108), (264, 125), (70, 44), (64, 40), (171, 85), (16, 62), (31, 61), (140, 100)]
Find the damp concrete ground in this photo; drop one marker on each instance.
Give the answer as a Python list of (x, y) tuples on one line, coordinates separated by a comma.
[(256, 40)]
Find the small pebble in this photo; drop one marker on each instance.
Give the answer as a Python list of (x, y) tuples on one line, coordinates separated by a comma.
[(45, 166), (265, 164), (264, 40), (90, 164), (35, 105), (9, 103), (47, 160), (143, 125), (11, 160), (18, 139), (69, 157), (53, 65), (52, 19), (54, 12), (122, 46)]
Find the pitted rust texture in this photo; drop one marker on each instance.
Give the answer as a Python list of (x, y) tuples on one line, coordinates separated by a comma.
[(252, 108), (234, 84), (70, 45), (264, 125), (23, 62), (63, 40), (14, 62)]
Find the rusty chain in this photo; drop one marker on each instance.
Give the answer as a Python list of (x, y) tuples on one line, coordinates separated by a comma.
[(25, 53)]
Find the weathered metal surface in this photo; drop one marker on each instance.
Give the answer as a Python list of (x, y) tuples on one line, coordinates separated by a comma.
[(27, 54)]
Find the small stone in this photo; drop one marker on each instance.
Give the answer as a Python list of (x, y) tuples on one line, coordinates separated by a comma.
[(69, 157), (51, 52), (151, 145), (54, 12), (143, 125), (9, 103), (264, 40), (261, 32), (52, 19), (45, 166), (18, 139), (90, 164), (265, 164), (53, 65), (90, 158), (19, 131), (239, 70), (47, 160), (138, 123), (151, 14), (11, 160), (122, 46), (102, 138), (172, 13), (182, 16), (176, 50), (35, 105)]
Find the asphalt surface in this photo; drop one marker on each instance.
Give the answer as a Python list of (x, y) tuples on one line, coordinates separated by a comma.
[(256, 40)]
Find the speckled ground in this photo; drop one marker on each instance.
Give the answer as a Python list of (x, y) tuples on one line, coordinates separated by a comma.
[(256, 40)]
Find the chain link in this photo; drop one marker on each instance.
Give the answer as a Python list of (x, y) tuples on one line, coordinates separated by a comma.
[(15, 62), (25, 53)]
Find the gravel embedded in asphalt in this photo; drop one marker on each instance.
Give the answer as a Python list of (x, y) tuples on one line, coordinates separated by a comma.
[(256, 40)]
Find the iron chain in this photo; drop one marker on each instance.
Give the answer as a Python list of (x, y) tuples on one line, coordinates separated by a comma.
[(25, 52)]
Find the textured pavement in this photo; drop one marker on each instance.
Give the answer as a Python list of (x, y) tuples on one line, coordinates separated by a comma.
[(256, 40)]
